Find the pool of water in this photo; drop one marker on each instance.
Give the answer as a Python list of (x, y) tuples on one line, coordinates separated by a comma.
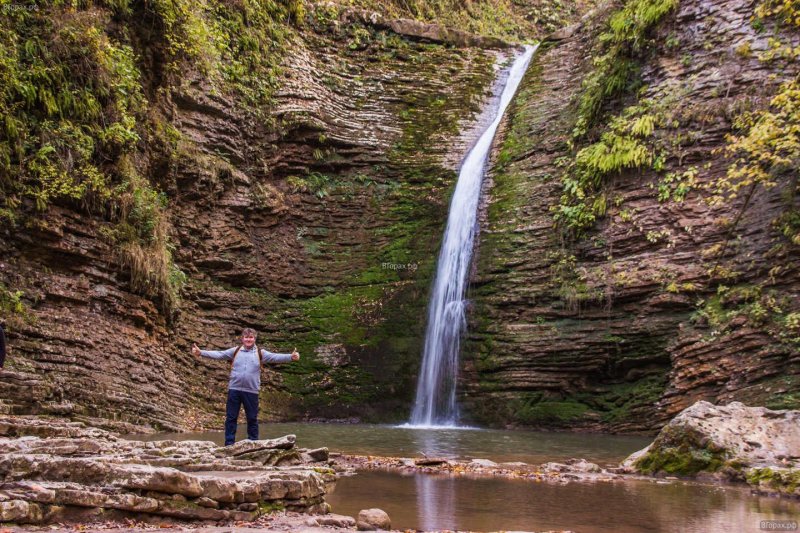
[(429, 502), (532, 447), (437, 502)]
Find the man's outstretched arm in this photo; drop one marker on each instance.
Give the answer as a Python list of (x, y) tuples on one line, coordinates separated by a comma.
[(270, 357), (225, 355)]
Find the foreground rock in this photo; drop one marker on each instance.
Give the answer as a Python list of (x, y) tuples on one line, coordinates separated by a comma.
[(55, 471), (732, 442), (372, 519)]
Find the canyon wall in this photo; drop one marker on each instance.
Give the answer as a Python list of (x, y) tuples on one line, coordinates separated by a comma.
[(288, 169), (315, 220), (668, 295)]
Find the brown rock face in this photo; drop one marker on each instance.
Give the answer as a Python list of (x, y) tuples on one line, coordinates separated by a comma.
[(319, 229), (649, 311)]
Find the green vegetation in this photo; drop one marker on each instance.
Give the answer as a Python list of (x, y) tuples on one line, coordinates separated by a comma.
[(72, 112), (614, 72), (505, 19), (71, 99), (786, 481), (11, 302), (236, 46), (786, 11), (627, 142), (571, 287), (767, 149), (768, 310), (267, 507), (618, 402), (533, 409), (682, 452)]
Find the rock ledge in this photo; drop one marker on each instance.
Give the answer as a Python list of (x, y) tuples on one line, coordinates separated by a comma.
[(53, 470)]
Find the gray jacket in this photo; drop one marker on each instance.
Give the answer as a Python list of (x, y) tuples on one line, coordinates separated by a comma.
[(246, 370)]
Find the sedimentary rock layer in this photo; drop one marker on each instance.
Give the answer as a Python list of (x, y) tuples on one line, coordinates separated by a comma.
[(652, 307), (317, 225)]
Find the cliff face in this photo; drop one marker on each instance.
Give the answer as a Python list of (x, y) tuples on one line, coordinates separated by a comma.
[(171, 176), (667, 295), (316, 222)]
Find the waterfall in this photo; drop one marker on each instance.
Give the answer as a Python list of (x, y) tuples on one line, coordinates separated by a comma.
[(435, 403)]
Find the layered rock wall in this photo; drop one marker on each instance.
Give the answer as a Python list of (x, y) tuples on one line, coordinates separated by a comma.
[(652, 308), (317, 225)]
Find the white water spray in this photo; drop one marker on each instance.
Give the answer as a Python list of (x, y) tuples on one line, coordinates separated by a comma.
[(435, 403)]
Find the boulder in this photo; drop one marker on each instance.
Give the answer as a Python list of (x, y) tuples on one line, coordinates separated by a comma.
[(371, 519), (318, 454), (730, 442)]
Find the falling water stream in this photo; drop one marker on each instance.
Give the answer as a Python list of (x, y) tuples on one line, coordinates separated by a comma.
[(435, 404)]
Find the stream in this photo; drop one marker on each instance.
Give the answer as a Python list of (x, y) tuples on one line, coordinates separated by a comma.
[(424, 501)]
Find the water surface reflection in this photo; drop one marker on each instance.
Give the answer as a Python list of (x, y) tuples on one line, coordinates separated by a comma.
[(419, 501)]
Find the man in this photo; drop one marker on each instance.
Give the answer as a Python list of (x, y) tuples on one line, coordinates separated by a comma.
[(245, 380)]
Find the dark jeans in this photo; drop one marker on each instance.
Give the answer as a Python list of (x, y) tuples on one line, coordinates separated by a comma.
[(235, 400)]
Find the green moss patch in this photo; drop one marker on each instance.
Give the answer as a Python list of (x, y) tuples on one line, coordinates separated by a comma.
[(783, 481), (680, 451)]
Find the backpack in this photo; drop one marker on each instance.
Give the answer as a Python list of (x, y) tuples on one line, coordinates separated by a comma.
[(236, 352)]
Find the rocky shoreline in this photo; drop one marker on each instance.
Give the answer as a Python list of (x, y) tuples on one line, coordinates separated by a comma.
[(54, 473)]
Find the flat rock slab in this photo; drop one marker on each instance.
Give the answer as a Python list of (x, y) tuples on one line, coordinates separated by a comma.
[(46, 469)]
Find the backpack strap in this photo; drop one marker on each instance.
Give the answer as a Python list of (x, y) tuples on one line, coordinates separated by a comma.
[(235, 353)]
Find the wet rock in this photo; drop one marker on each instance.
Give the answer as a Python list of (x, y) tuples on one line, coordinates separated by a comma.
[(572, 465), (641, 268), (318, 454), (371, 519)]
